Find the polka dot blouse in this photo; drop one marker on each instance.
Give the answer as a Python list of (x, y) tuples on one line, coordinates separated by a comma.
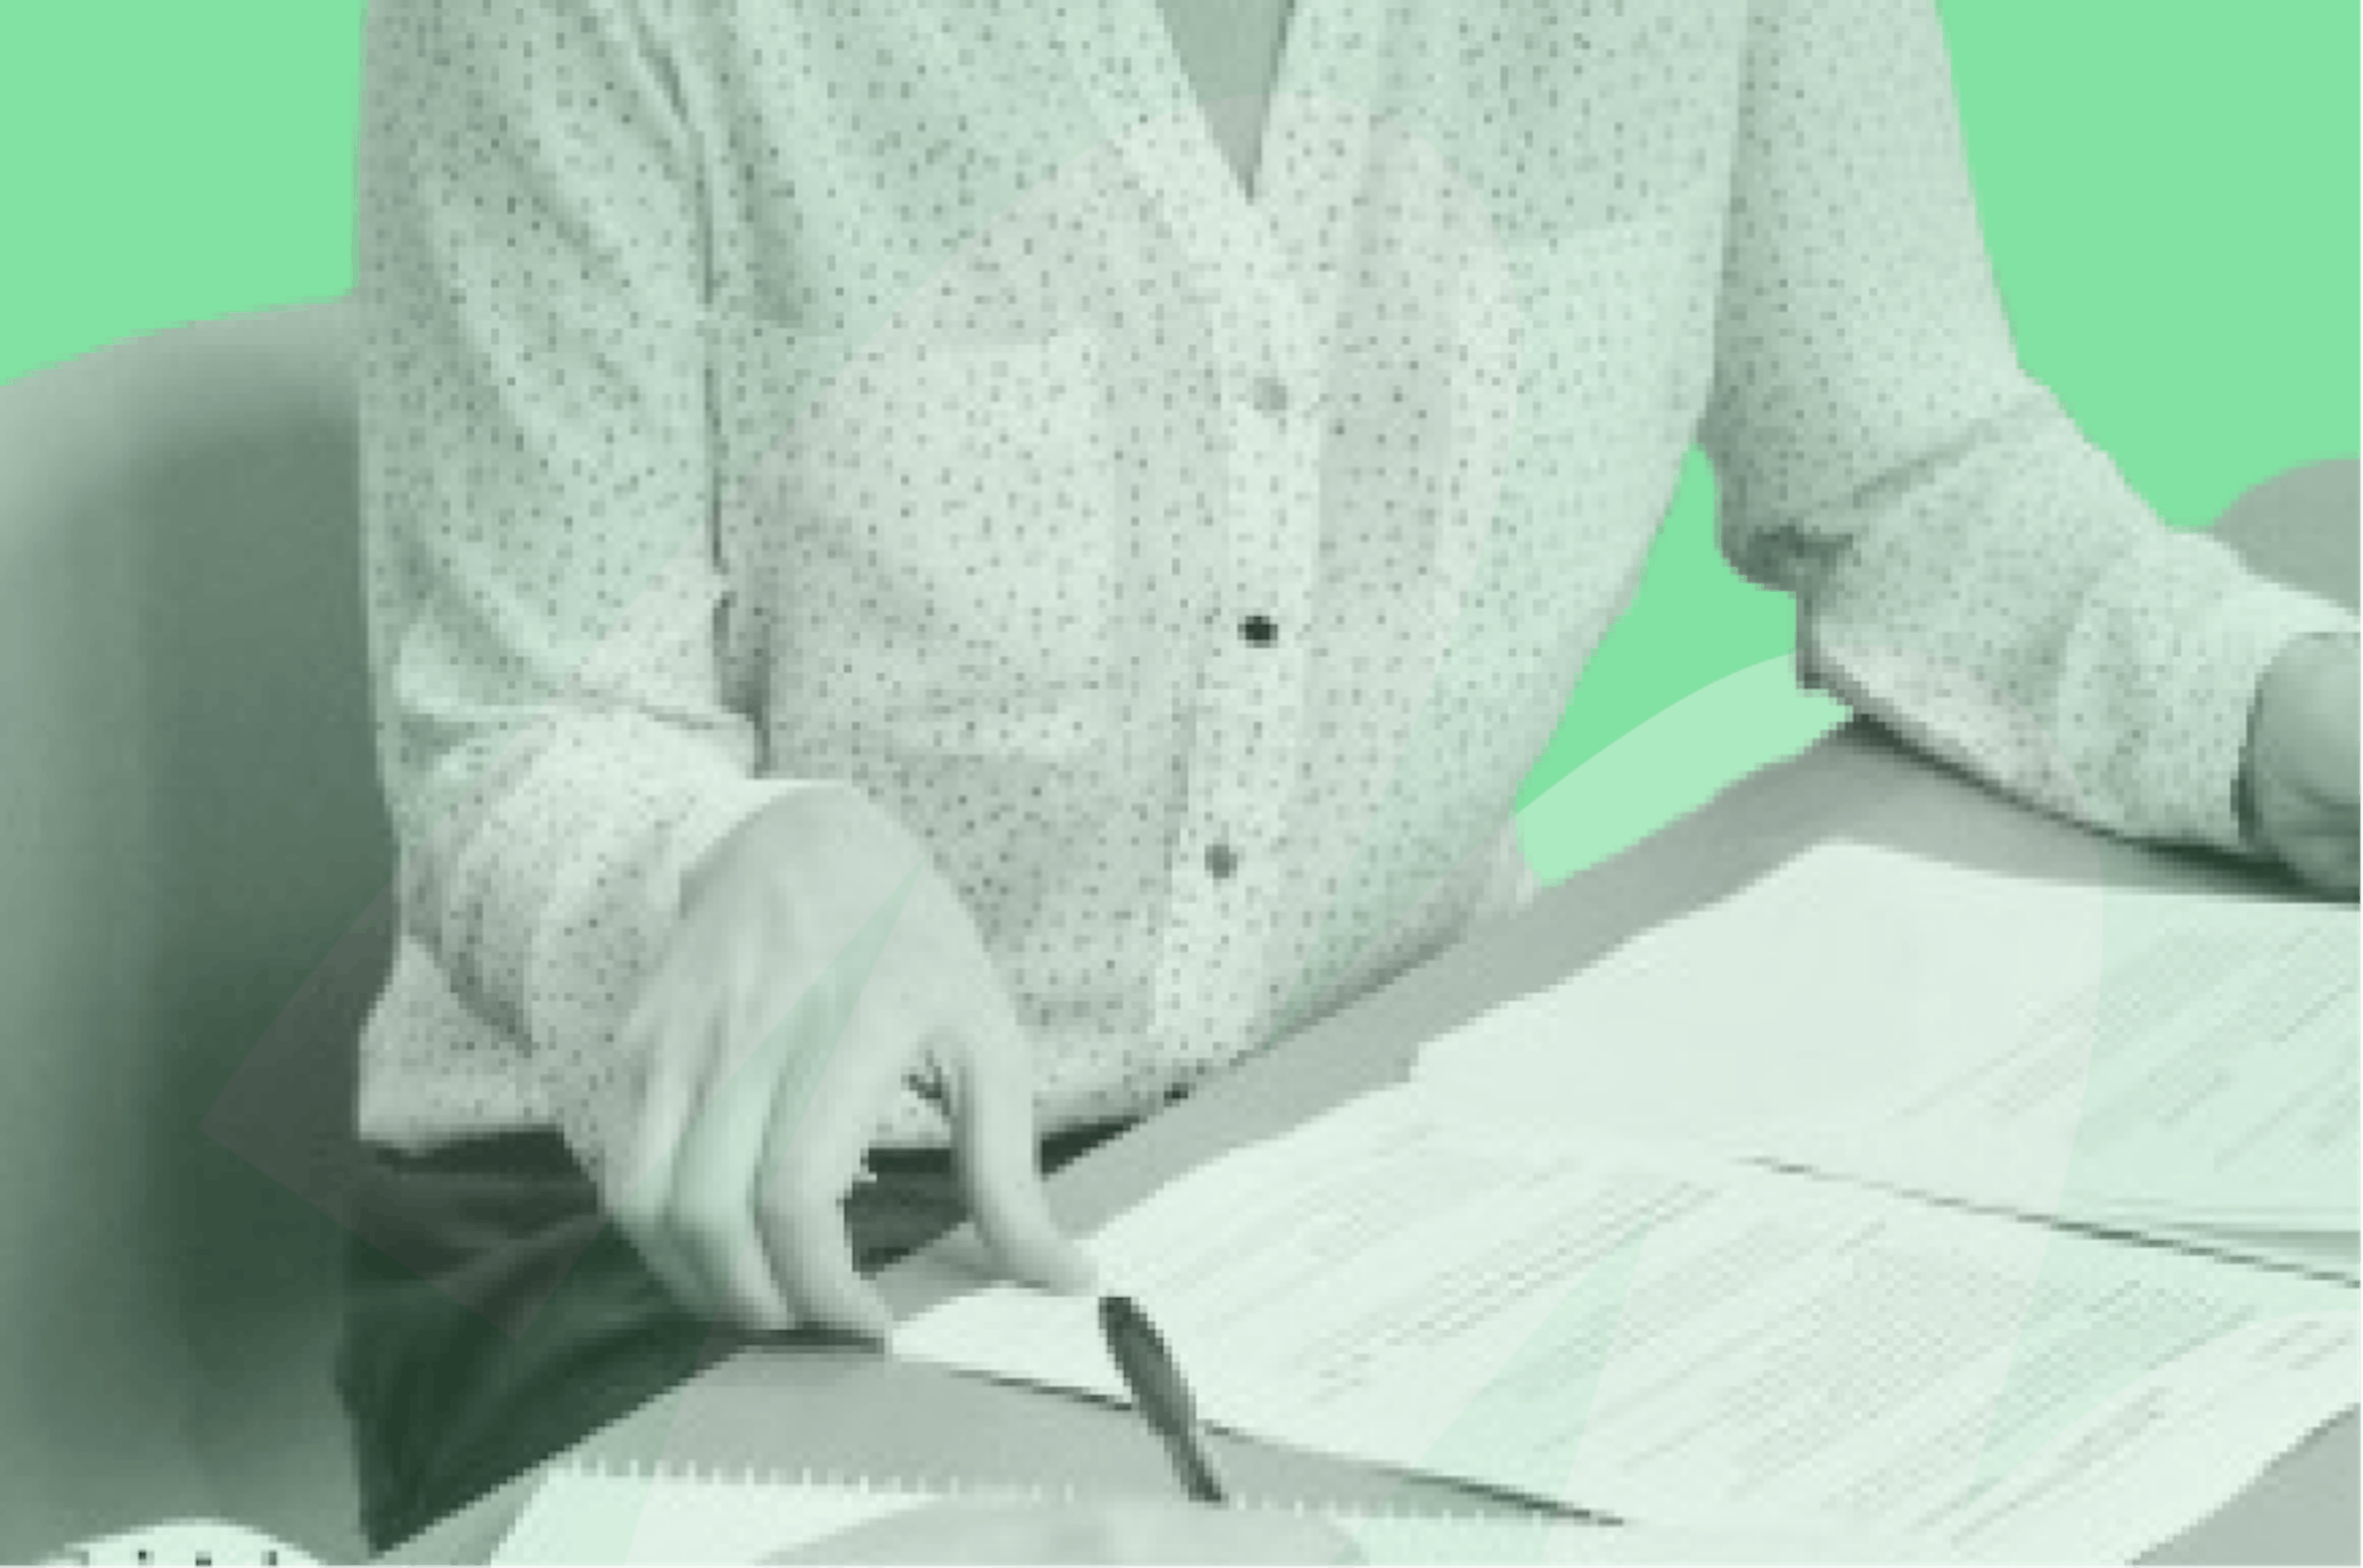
[(912, 399)]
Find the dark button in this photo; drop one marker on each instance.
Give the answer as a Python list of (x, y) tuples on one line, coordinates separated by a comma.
[(1221, 859), (1177, 1094), (1260, 630), (1271, 396)]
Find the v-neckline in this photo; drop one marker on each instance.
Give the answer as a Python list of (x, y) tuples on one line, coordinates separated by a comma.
[(1286, 240), (1161, 55)]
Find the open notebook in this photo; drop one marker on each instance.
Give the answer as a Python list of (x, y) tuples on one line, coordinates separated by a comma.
[(585, 1512)]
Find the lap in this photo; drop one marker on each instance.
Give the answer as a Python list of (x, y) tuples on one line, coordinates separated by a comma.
[(493, 1317)]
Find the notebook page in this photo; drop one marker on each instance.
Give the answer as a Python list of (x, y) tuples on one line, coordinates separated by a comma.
[(582, 1513), (1690, 1345), (587, 1513), (2125, 1058)]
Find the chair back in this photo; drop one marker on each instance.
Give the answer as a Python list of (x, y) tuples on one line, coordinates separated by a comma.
[(192, 836)]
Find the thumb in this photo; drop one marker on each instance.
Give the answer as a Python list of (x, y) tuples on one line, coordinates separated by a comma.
[(992, 1136)]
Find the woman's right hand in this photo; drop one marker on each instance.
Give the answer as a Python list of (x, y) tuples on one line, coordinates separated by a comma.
[(820, 957)]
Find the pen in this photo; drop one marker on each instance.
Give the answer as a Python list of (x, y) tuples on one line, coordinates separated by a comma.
[(1158, 1391)]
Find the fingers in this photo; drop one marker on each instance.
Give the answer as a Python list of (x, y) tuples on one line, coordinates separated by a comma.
[(752, 1128), (842, 1051), (993, 1140), (641, 1187), (732, 1198), (710, 1208), (839, 1071)]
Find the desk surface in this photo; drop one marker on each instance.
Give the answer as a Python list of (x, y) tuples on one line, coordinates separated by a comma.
[(856, 1412)]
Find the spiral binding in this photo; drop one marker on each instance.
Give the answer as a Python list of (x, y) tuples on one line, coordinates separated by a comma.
[(689, 1473)]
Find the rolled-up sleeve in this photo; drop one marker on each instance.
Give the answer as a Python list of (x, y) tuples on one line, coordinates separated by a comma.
[(1969, 568), (543, 594)]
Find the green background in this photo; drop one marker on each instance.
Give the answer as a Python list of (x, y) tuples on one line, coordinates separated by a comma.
[(2169, 194)]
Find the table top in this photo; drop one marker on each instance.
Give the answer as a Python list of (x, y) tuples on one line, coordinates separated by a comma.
[(855, 1412)]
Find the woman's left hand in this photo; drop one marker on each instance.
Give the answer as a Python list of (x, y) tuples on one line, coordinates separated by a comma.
[(2302, 760)]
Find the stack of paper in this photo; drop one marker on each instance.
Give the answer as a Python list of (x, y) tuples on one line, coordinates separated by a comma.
[(2173, 1065), (1539, 1267), (1681, 1343)]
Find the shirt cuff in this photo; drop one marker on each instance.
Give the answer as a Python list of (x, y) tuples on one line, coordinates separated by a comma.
[(2222, 666)]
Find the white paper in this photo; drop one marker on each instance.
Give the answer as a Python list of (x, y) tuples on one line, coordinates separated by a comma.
[(1685, 1344), (2122, 1057), (587, 1515)]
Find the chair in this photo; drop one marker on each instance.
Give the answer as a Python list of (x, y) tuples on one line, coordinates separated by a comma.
[(190, 823), (194, 863)]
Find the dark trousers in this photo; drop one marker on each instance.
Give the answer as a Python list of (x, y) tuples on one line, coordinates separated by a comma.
[(493, 1318)]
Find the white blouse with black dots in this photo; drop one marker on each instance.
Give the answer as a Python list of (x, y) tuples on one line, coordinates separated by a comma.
[(910, 398)]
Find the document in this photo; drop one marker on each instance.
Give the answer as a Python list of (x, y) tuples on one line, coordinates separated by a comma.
[(2171, 1063), (1680, 1342)]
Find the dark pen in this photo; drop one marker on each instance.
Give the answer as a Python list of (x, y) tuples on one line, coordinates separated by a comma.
[(1160, 1396)]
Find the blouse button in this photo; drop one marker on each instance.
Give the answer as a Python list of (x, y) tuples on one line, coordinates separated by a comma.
[(1222, 860), (1258, 630), (1271, 396)]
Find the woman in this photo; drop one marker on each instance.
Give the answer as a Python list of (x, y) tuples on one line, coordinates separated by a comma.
[(940, 573)]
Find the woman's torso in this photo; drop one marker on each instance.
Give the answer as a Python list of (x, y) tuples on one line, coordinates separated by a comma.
[(1200, 570)]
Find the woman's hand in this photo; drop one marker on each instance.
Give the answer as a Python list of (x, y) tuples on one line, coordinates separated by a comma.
[(820, 957), (2299, 773), (1085, 1532)]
